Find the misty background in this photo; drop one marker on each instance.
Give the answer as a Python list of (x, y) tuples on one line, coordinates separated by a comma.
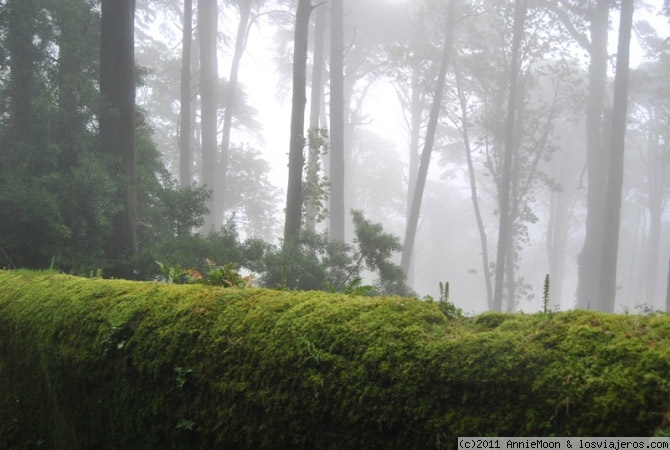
[(373, 83)]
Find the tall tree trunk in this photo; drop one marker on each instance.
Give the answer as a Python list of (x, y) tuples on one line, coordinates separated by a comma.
[(231, 99), (337, 174), (610, 249), (296, 157), (590, 257), (656, 192), (185, 150), (117, 123), (207, 26), (473, 188), (316, 97), (21, 24), (416, 111), (410, 231), (505, 228), (667, 291)]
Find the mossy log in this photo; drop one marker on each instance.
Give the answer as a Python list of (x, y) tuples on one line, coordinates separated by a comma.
[(111, 364)]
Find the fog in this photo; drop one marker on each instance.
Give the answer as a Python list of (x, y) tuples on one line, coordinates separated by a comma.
[(386, 42), (515, 106)]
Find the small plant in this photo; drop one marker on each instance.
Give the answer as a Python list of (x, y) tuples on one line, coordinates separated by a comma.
[(226, 276), (448, 309), (356, 287), (545, 295)]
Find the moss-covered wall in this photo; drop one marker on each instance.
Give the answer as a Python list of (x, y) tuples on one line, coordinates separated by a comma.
[(98, 364)]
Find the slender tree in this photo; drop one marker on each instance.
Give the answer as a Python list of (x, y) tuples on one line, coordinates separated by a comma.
[(231, 99), (316, 97), (590, 258), (296, 157), (504, 200), (337, 170), (410, 232), (473, 185), (207, 29), (185, 137), (117, 123), (607, 292)]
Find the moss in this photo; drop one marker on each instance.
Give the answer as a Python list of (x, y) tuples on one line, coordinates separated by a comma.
[(118, 364)]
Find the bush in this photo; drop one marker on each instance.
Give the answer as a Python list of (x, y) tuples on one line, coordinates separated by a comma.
[(103, 364)]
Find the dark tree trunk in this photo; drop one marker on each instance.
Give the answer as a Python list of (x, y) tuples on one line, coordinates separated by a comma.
[(296, 157), (207, 25), (231, 99), (21, 24), (117, 123), (410, 232), (610, 248), (337, 174), (185, 151), (505, 228), (590, 257)]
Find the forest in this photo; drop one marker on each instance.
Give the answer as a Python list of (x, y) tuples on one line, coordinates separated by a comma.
[(514, 155)]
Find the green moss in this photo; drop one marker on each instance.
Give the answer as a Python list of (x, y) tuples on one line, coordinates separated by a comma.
[(118, 364)]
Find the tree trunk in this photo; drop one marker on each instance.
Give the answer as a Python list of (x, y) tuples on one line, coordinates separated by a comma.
[(607, 291), (410, 232), (337, 211), (416, 111), (590, 257), (207, 26), (315, 114), (655, 202), (296, 157), (505, 228), (667, 291), (117, 123), (473, 189), (185, 179), (240, 46), (20, 92)]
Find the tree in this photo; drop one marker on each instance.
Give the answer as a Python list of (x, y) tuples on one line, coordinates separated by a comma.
[(410, 232), (607, 288), (504, 231), (185, 154), (337, 173), (315, 134), (207, 29), (464, 123), (241, 38), (117, 123), (296, 157)]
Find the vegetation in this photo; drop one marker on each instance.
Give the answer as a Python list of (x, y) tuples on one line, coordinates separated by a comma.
[(92, 363)]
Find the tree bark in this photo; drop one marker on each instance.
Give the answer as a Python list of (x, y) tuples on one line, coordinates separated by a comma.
[(337, 170), (610, 248), (240, 46), (590, 257), (296, 158), (185, 179), (207, 26), (505, 227), (117, 123), (410, 232)]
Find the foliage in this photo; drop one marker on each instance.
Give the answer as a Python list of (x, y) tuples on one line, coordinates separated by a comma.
[(202, 367), (321, 263)]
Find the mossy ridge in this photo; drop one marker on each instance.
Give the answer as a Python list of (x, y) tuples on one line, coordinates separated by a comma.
[(145, 365)]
